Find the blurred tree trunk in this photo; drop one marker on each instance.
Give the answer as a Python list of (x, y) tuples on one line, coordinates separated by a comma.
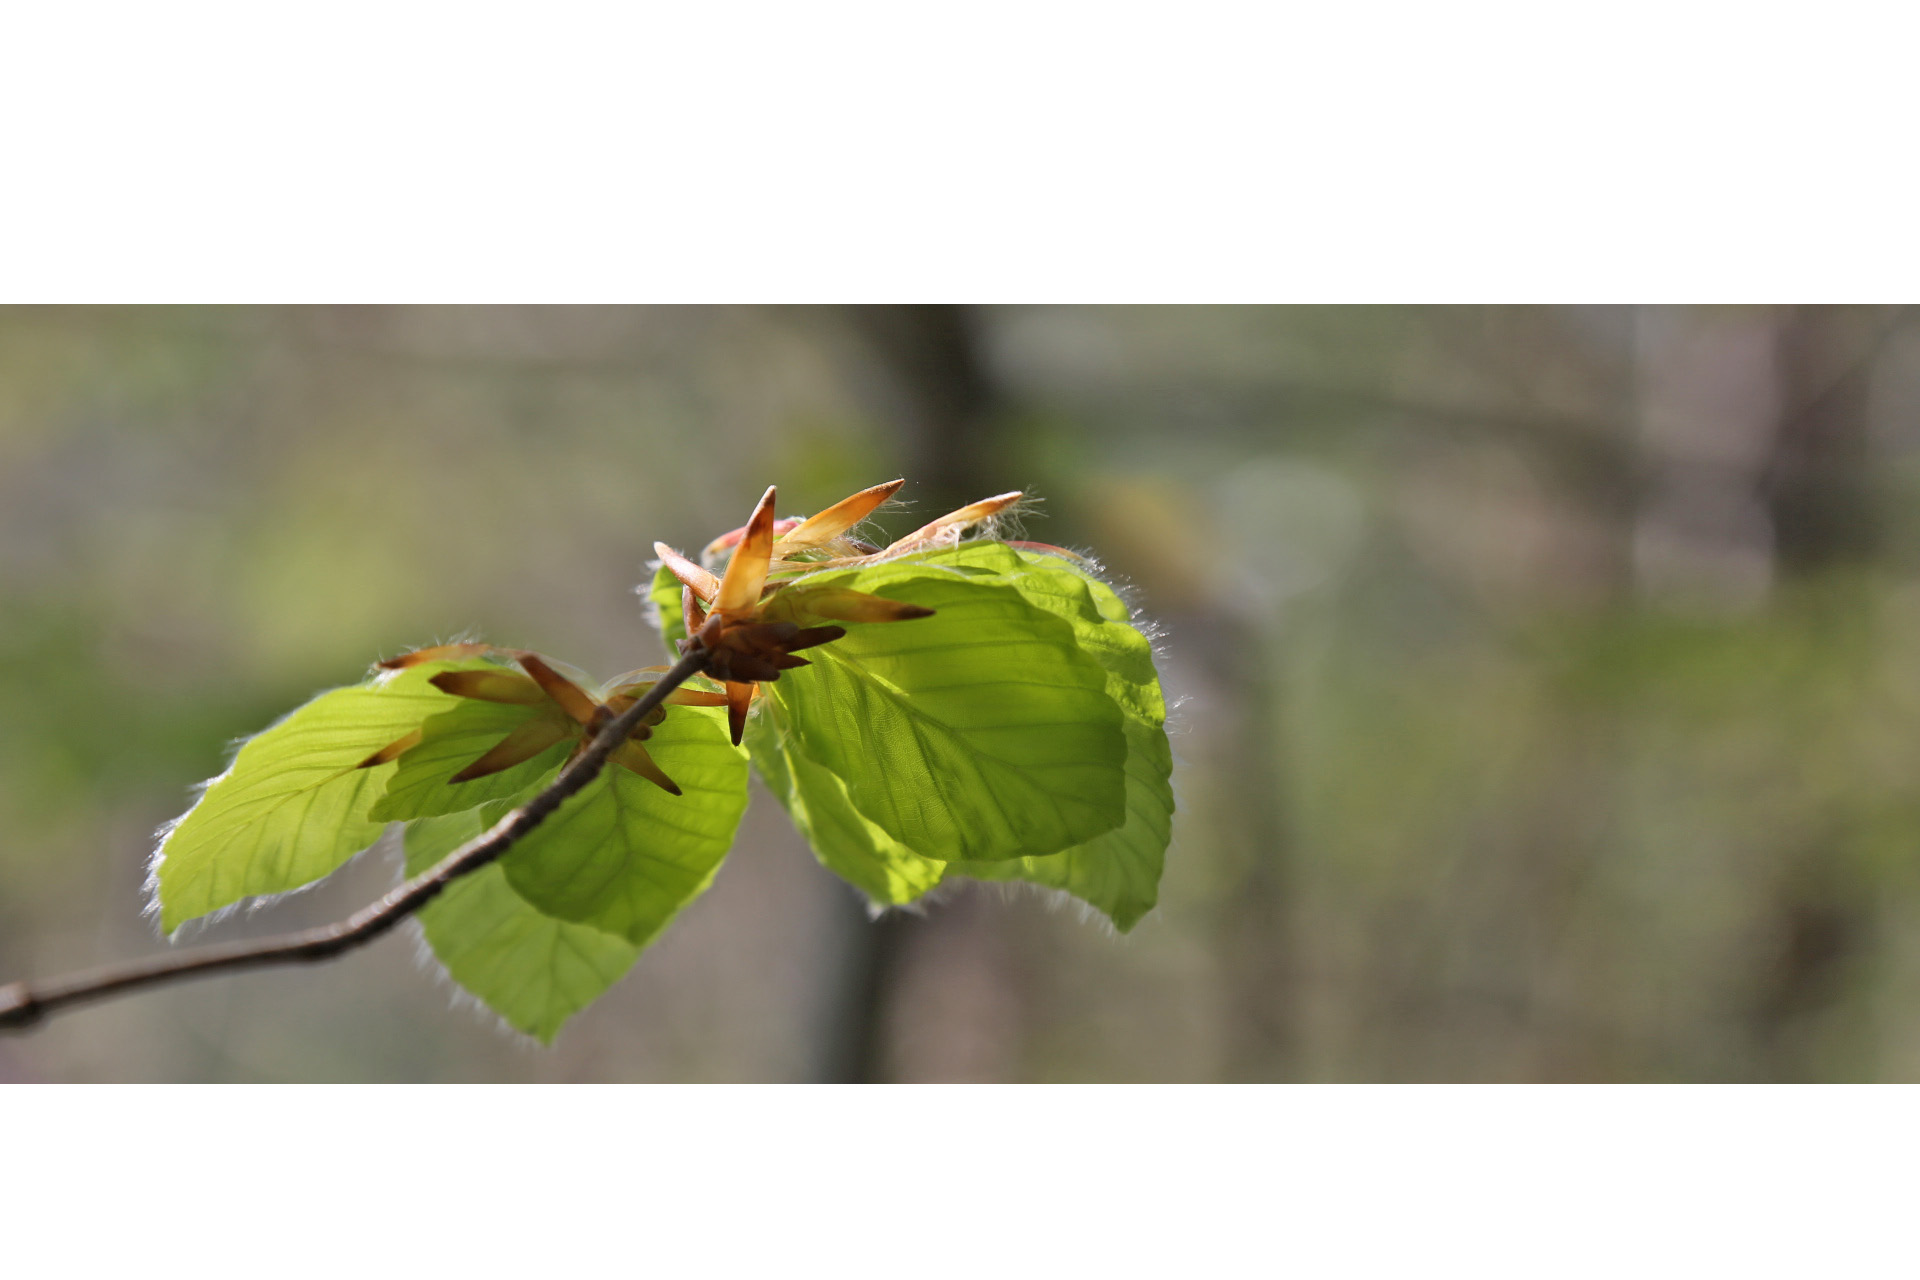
[(924, 371), (1818, 483), (1819, 491), (934, 386)]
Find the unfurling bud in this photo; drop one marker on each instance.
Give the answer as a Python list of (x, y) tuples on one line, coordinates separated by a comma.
[(754, 651)]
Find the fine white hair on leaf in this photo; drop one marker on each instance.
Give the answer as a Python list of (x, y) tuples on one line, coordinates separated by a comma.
[(1054, 899), (1177, 725), (1129, 594), (650, 607), (933, 897), (653, 568), (463, 1001), (716, 561), (194, 928), (164, 833), (877, 910), (151, 887), (458, 997), (466, 635)]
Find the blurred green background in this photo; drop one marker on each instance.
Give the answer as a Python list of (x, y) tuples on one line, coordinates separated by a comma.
[(1549, 679)]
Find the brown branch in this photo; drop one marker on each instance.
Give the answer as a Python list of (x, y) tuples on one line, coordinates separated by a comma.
[(25, 1003)]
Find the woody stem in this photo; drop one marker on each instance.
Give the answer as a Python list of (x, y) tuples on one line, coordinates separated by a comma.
[(25, 1003)]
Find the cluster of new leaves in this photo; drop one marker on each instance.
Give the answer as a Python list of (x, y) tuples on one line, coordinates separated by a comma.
[(1005, 724)]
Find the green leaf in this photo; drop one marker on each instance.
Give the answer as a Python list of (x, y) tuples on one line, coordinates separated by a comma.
[(623, 855), (845, 843), (982, 732), (531, 969), (454, 739), (1119, 872), (1099, 617), (292, 807), (664, 594), (1096, 613)]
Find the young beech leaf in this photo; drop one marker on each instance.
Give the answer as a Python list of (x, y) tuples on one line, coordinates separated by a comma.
[(980, 732), (845, 843), (531, 969), (1063, 587), (293, 805), (1118, 872), (624, 855), (466, 730)]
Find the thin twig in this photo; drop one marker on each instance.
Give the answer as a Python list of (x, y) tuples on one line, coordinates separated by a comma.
[(25, 1003)]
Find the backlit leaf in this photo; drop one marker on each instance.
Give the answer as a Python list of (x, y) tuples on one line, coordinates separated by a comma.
[(982, 732), (531, 969), (293, 805), (847, 844), (1098, 616), (449, 741), (1118, 872), (623, 855)]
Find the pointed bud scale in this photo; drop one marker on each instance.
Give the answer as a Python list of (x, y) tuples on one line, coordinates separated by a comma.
[(490, 686), (691, 614), (523, 744), (739, 698), (844, 605), (749, 634), (437, 653), (1049, 549), (747, 572), (571, 698), (392, 751), (727, 541), (635, 757), (843, 515), (955, 522), (691, 575), (812, 636)]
